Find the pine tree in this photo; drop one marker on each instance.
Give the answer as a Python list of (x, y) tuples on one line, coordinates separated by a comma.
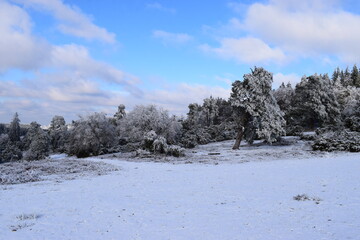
[(336, 75), (355, 75), (314, 103), (14, 130), (347, 81), (37, 142), (257, 113), (58, 134), (120, 113), (211, 110), (284, 95)]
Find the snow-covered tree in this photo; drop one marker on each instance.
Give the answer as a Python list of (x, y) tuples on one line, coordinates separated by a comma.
[(345, 77), (211, 110), (14, 129), (2, 128), (143, 119), (92, 135), (283, 96), (336, 75), (211, 121), (355, 76), (120, 113), (58, 134), (36, 142), (257, 112), (351, 108), (314, 103)]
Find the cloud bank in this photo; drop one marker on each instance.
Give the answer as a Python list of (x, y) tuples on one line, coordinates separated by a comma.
[(288, 30)]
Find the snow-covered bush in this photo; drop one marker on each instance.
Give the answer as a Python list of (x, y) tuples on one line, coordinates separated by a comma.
[(92, 135), (143, 119), (154, 144), (9, 151), (160, 145), (294, 130), (189, 139), (141, 153), (341, 140), (176, 151), (195, 136), (149, 139)]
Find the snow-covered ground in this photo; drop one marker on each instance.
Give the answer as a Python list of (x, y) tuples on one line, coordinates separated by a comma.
[(242, 194)]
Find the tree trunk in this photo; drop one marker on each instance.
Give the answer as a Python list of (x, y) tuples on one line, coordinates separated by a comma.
[(239, 137), (242, 121)]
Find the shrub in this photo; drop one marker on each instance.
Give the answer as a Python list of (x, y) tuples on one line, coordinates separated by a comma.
[(341, 140), (160, 145), (149, 139), (11, 152), (176, 151)]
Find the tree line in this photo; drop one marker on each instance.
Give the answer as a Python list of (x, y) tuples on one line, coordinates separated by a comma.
[(253, 111)]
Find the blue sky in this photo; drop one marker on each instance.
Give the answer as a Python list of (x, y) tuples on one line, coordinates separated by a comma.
[(75, 57)]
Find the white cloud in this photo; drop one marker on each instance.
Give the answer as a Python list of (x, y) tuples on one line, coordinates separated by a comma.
[(63, 79), (72, 20), (160, 7), (171, 38), (77, 59), (174, 98), (306, 5), (318, 30), (312, 29), (226, 80), (288, 78), (246, 50), (18, 47)]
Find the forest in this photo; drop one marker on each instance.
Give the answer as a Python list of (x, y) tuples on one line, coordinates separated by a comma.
[(330, 106)]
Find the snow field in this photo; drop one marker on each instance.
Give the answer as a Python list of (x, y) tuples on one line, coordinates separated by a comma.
[(145, 200)]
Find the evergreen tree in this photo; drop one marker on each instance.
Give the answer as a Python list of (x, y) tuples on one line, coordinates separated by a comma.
[(36, 142), (347, 81), (120, 113), (314, 103), (336, 75), (58, 134), (284, 95), (355, 76), (14, 129), (2, 128), (257, 113), (211, 110)]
